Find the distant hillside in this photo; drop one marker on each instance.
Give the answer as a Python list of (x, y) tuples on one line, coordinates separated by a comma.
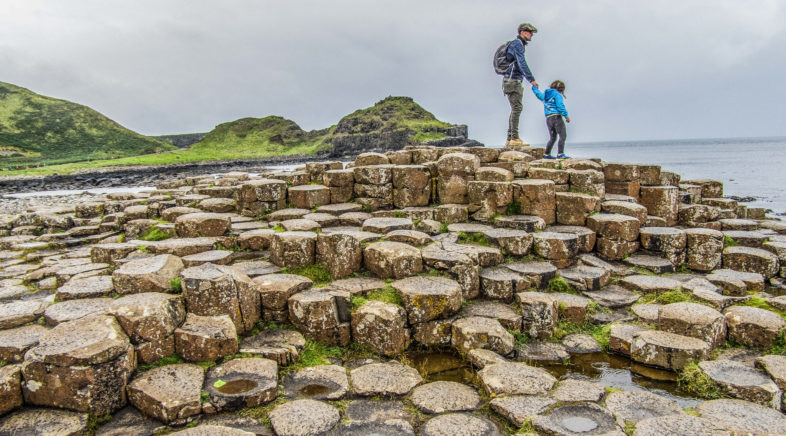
[(37, 129), (390, 124), (181, 140)]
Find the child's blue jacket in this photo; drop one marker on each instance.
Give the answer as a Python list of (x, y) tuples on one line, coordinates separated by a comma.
[(553, 102)]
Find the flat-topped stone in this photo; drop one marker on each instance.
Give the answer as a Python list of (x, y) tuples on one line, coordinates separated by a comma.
[(586, 278), (747, 238), (391, 378), (459, 423), (210, 290), (743, 417), (303, 417), (587, 419), (743, 382), (445, 396), (516, 242), (392, 259), (428, 298), (204, 338), (281, 346), (504, 313), (44, 422), (80, 365), (323, 382), (386, 225), (527, 223), (556, 246), (751, 260), (193, 225), (88, 287), (578, 343), (657, 265), (515, 379), (736, 283), (477, 332), (543, 352), (75, 309), (752, 326), (20, 312), (218, 257), (293, 249), (695, 320), (15, 342), (678, 425), (649, 284), (613, 297), (667, 350), (275, 289), (519, 409), (169, 393), (501, 283), (539, 273), (153, 274), (382, 327), (635, 406), (241, 383)]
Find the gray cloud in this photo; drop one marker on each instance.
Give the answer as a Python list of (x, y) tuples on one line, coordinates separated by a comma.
[(635, 70)]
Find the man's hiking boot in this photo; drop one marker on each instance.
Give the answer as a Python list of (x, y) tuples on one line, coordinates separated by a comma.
[(515, 142), (563, 156), (548, 156)]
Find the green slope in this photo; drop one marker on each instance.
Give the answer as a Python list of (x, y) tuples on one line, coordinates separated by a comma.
[(275, 136), (37, 129), (390, 114)]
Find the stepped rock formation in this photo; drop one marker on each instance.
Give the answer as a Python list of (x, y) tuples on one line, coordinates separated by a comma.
[(311, 289)]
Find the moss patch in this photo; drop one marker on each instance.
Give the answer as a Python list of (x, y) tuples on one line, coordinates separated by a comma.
[(692, 379), (318, 274), (474, 239)]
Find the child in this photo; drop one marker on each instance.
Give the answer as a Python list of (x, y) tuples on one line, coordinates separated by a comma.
[(554, 107)]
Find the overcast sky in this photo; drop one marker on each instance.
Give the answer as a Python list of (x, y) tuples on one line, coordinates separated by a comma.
[(634, 69)]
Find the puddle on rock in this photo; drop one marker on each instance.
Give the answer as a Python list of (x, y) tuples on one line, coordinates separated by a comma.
[(610, 370), (579, 424), (235, 387), (313, 390), (441, 366)]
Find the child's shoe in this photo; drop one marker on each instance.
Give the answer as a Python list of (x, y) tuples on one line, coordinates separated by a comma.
[(562, 156), (548, 156)]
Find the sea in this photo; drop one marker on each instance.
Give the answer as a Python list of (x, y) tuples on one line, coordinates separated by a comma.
[(752, 168), (748, 167)]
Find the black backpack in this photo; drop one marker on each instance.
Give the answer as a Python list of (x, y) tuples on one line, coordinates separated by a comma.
[(501, 62)]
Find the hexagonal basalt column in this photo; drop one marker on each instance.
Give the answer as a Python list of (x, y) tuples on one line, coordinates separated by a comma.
[(153, 274), (538, 314), (211, 290), (274, 291), (411, 185), (477, 332), (573, 208), (429, 298), (703, 249), (487, 199), (536, 197), (661, 201), (667, 350), (751, 260), (150, 320), (308, 196), (382, 327), (455, 171), (293, 249), (168, 393), (392, 259), (255, 197), (204, 338), (753, 327), (694, 320), (322, 315), (556, 246), (81, 365), (340, 252), (194, 225)]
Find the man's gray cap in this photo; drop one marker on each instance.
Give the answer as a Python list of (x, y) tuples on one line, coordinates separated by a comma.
[(528, 27)]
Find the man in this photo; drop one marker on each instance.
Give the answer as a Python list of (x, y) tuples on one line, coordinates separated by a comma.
[(511, 82)]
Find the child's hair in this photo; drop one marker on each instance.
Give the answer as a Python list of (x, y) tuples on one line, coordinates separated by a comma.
[(559, 85)]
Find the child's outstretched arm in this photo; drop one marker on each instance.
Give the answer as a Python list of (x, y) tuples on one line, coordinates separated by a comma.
[(538, 93)]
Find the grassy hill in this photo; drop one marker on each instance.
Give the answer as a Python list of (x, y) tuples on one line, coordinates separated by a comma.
[(275, 136), (37, 129), (391, 114)]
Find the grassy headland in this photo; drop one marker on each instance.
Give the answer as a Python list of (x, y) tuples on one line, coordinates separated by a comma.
[(35, 129), (275, 136)]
